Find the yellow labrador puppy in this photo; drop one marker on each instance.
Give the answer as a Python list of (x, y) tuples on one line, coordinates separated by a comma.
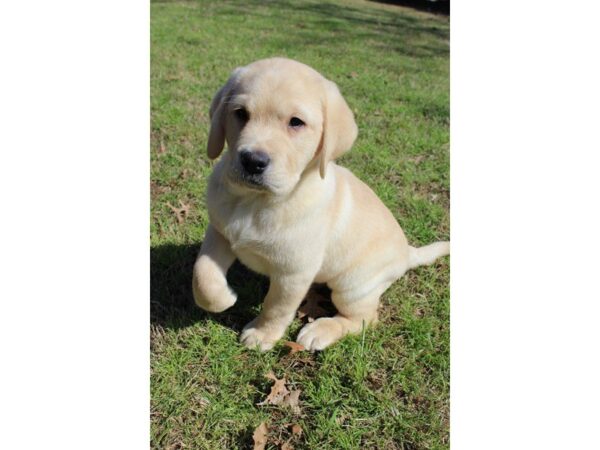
[(279, 204)]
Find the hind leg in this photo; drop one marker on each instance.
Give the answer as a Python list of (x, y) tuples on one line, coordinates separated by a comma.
[(353, 313)]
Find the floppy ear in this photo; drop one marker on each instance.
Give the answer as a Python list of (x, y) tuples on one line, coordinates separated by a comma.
[(217, 112), (339, 127)]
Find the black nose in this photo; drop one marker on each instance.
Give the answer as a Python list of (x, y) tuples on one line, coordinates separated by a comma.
[(254, 162)]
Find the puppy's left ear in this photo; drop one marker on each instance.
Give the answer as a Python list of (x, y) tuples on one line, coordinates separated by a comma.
[(218, 112), (339, 127)]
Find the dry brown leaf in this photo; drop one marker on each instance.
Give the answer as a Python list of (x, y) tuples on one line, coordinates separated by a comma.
[(162, 149), (294, 347), (156, 189), (280, 395), (260, 436), (296, 430), (292, 400), (417, 159), (311, 308), (278, 391), (180, 213), (287, 446)]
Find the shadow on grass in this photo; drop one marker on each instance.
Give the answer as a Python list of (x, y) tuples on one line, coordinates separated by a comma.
[(328, 27), (171, 300), (430, 6)]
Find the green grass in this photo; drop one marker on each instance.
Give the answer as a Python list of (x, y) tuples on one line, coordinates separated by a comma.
[(388, 389)]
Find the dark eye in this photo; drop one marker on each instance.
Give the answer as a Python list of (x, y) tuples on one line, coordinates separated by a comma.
[(296, 123), (242, 114)]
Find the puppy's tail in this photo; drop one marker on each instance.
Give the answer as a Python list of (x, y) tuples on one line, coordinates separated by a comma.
[(423, 256)]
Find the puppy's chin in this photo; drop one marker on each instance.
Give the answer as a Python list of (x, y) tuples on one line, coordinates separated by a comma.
[(243, 185), (249, 185)]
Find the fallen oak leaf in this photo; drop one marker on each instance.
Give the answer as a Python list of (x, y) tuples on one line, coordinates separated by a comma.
[(180, 213), (260, 436), (280, 395), (294, 347), (278, 391)]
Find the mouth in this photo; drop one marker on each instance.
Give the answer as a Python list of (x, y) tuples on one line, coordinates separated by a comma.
[(252, 182)]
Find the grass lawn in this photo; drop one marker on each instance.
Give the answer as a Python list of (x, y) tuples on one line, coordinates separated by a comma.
[(385, 389)]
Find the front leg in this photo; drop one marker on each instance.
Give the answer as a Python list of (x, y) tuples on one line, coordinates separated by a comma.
[(211, 291), (279, 308)]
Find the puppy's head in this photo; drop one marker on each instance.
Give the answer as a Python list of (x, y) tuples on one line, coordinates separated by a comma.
[(280, 118)]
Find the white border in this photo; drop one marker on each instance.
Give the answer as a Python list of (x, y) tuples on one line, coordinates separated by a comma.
[(74, 170), (524, 173)]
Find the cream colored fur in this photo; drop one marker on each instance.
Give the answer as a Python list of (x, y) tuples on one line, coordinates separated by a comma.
[(310, 221)]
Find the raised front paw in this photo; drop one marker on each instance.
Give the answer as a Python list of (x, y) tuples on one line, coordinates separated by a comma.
[(215, 300), (320, 334), (261, 336)]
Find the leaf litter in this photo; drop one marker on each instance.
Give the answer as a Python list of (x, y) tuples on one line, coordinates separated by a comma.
[(296, 430), (294, 347), (278, 391), (260, 436), (314, 305), (280, 395), (161, 148), (180, 213)]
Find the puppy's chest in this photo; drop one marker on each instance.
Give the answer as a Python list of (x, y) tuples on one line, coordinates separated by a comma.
[(256, 238), (245, 233)]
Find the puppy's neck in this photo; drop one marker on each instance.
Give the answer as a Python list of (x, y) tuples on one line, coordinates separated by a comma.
[(311, 185)]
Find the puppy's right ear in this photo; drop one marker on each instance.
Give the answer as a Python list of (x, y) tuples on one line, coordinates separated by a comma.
[(218, 111)]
